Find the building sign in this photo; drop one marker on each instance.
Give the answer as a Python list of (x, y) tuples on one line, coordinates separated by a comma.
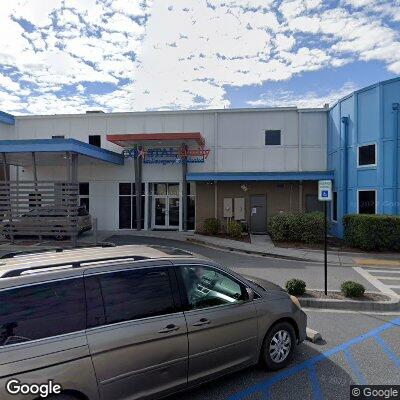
[(168, 155), (325, 190)]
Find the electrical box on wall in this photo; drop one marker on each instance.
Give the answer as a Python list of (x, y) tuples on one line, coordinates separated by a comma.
[(228, 207), (239, 208)]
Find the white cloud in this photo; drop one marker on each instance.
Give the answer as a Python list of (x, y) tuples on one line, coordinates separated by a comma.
[(307, 100), (179, 53)]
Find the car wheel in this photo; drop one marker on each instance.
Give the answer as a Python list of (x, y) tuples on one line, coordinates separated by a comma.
[(278, 347)]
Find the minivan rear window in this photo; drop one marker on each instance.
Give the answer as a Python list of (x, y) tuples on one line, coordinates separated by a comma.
[(41, 311), (130, 295)]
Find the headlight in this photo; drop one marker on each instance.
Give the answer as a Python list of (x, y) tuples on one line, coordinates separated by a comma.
[(295, 300)]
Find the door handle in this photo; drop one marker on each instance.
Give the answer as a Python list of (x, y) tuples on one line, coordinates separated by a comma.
[(202, 322), (169, 328)]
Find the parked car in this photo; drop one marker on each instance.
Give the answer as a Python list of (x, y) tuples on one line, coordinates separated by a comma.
[(136, 322), (50, 220)]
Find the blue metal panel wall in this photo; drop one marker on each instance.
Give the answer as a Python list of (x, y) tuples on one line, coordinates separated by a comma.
[(372, 117)]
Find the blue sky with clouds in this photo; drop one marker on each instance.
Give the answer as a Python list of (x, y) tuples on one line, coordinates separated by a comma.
[(67, 56)]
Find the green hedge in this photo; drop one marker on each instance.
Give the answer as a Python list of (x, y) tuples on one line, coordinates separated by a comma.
[(234, 229), (372, 232), (211, 226), (292, 227)]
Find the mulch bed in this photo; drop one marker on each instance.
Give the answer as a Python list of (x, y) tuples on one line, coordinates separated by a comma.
[(317, 294)]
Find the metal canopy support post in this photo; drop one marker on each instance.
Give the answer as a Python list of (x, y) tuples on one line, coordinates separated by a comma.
[(301, 196), (138, 191), (184, 190), (6, 179), (72, 169), (35, 183)]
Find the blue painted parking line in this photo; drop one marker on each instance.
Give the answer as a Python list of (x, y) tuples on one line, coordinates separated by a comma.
[(386, 349), (354, 367), (315, 385), (310, 364)]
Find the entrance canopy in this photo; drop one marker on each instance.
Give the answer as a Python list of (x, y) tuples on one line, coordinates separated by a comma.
[(53, 152), (132, 139)]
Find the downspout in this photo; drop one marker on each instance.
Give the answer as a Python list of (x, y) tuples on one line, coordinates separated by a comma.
[(345, 122), (395, 108)]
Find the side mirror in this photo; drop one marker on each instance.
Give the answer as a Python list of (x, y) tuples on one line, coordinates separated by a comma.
[(250, 294)]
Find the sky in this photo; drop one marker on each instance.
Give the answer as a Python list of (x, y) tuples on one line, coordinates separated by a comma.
[(70, 56)]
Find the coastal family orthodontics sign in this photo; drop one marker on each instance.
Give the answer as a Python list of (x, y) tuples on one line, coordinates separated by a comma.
[(168, 155)]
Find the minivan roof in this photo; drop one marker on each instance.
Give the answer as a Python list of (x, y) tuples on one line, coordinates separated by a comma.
[(27, 262)]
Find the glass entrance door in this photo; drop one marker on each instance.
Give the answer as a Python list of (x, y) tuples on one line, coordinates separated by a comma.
[(166, 206), (160, 212)]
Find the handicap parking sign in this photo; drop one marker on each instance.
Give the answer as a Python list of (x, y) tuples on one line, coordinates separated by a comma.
[(325, 190)]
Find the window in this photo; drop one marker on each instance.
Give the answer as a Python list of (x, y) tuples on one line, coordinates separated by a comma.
[(127, 206), (367, 202), (129, 295), (334, 207), (191, 206), (58, 137), (95, 140), (40, 311), (84, 195), (206, 287), (367, 155), (272, 138)]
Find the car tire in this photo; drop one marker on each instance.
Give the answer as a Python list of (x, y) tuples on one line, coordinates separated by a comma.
[(278, 346)]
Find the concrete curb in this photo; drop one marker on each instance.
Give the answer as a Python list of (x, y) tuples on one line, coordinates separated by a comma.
[(261, 253), (355, 305), (313, 336)]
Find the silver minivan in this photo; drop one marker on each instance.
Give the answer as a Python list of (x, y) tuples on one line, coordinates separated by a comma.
[(134, 322)]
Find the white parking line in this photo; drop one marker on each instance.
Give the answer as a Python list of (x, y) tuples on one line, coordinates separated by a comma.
[(389, 278), (392, 271), (375, 282)]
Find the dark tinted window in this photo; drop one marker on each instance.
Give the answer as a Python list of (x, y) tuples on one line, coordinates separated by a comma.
[(95, 140), (84, 188), (84, 202), (272, 138), (366, 155), (40, 311), (366, 202), (130, 295), (334, 207), (125, 189)]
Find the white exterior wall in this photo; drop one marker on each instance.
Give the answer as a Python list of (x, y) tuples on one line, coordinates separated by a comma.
[(236, 139)]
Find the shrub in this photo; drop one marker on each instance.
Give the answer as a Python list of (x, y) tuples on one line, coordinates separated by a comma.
[(372, 232), (295, 286), (234, 229), (292, 227), (211, 226), (352, 289)]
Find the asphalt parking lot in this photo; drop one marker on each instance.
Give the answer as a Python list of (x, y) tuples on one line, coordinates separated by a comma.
[(357, 348)]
